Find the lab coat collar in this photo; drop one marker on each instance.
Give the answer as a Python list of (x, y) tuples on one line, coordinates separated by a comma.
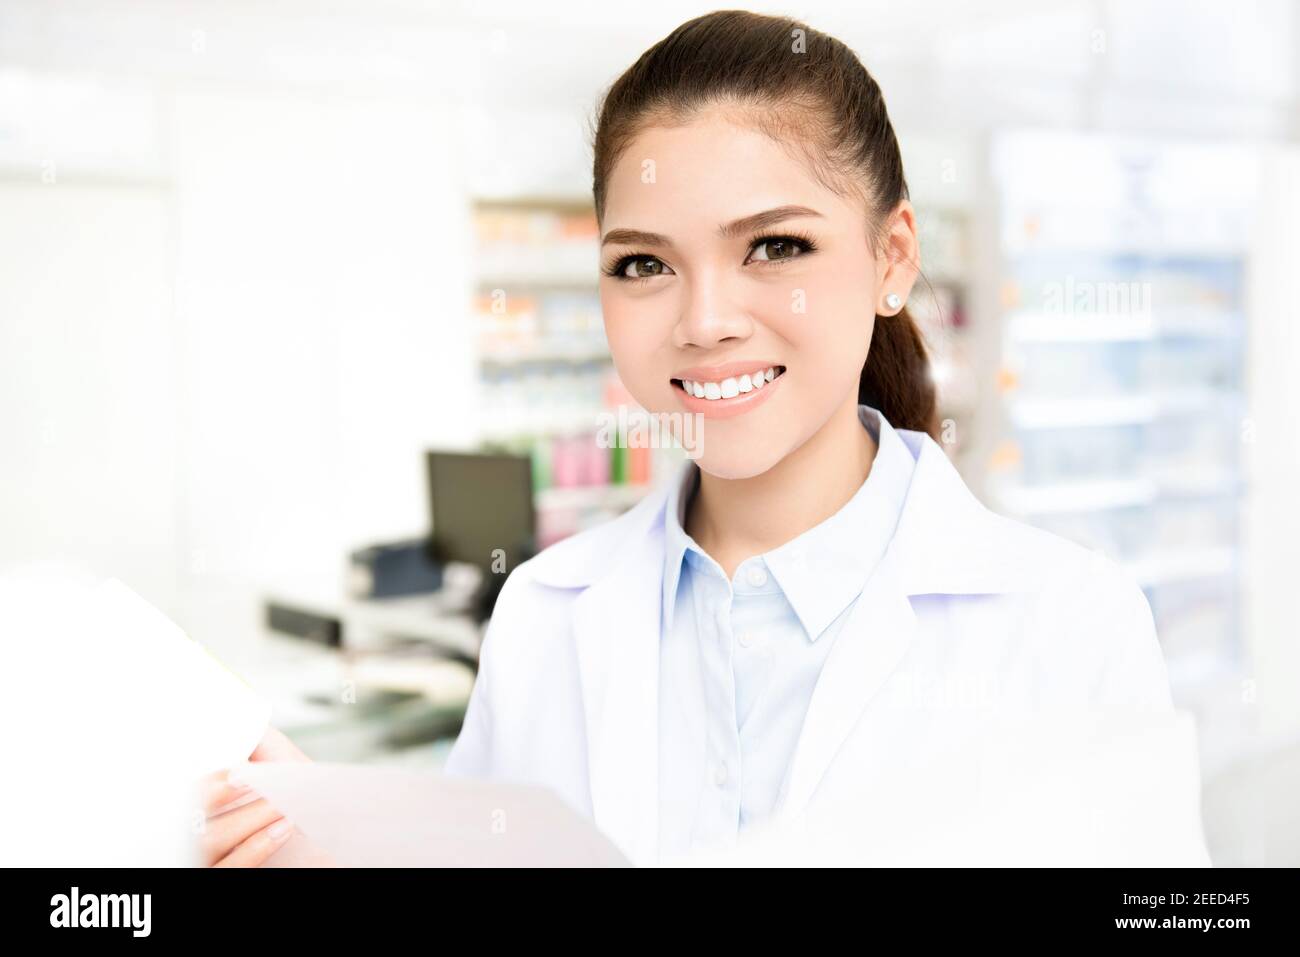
[(945, 542)]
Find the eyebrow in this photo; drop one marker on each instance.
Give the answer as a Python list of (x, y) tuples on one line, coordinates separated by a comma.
[(769, 217)]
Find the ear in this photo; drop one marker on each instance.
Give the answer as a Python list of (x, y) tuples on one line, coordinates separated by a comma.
[(900, 262)]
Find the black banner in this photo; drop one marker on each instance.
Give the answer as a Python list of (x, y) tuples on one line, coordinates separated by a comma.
[(332, 905)]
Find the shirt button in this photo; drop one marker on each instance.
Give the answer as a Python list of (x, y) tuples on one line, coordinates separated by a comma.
[(745, 639), (719, 774), (757, 576)]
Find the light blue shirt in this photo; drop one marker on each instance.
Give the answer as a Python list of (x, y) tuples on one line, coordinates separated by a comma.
[(739, 659)]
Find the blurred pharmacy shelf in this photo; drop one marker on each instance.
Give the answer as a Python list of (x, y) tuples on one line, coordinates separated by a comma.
[(548, 381), (940, 305), (1122, 372)]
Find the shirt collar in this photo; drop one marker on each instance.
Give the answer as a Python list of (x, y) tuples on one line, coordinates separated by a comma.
[(676, 541), (822, 570)]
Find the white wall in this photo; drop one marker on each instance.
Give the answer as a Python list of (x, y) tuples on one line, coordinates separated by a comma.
[(322, 303), (88, 412), (228, 331), (1272, 452)]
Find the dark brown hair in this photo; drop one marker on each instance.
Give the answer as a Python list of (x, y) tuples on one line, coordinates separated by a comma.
[(812, 94)]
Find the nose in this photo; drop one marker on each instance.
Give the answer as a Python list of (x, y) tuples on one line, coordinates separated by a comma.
[(711, 314)]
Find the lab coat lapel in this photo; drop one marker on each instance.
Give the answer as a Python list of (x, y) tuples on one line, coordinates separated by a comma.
[(616, 632), (867, 651), (946, 542)]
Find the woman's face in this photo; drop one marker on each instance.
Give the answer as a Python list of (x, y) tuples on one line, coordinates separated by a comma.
[(704, 298)]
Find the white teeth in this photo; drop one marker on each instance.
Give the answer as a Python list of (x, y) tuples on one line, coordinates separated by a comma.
[(731, 387)]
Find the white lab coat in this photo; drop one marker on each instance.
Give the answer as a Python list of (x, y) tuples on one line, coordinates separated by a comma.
[(974, 633)]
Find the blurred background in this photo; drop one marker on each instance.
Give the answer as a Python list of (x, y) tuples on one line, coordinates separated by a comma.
[(298, 310)]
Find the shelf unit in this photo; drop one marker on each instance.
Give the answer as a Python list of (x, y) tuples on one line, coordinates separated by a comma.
[(545, 369), (1122, 378)]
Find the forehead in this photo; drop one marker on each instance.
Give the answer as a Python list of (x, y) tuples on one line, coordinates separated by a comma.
[(707, 171)]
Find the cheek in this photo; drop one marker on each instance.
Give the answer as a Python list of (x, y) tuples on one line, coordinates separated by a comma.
[(638, 332), (827, 323)]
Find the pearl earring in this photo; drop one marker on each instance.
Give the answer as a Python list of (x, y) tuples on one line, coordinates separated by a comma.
[(892, 300)]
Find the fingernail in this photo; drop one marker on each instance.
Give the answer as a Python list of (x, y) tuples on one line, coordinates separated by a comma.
[(236, 782), (279, 830)]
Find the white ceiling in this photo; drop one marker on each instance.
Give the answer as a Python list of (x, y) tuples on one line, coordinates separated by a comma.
[(945, 65)]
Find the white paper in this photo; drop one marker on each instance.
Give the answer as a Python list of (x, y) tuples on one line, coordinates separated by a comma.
[(177, 689), (111, 714), (384, 816)]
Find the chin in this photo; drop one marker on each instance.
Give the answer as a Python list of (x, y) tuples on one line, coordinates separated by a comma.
[(734, 463), (738, 472)]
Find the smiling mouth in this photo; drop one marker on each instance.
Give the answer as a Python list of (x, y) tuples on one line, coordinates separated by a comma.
[(730, 387)]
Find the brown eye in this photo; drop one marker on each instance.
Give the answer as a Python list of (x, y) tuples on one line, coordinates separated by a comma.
[(643, 268), (778, 247)]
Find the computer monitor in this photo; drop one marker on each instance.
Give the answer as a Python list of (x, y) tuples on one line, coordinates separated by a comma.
[(481, 507)]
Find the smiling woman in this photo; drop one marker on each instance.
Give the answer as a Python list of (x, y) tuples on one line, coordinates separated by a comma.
[(754, 217), (801, 99), (758, 641)]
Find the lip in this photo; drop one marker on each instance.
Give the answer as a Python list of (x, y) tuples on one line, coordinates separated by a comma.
[(736, 405), (727, 370)]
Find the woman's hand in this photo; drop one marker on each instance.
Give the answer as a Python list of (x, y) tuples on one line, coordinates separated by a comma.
[(241, 830)]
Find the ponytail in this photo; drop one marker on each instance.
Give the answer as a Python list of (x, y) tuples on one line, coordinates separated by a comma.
[(896, 379)]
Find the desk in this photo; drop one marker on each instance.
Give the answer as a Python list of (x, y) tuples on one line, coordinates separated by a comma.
[(396, 691)]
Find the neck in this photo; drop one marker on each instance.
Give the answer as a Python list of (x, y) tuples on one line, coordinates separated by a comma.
[(735, 519)]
